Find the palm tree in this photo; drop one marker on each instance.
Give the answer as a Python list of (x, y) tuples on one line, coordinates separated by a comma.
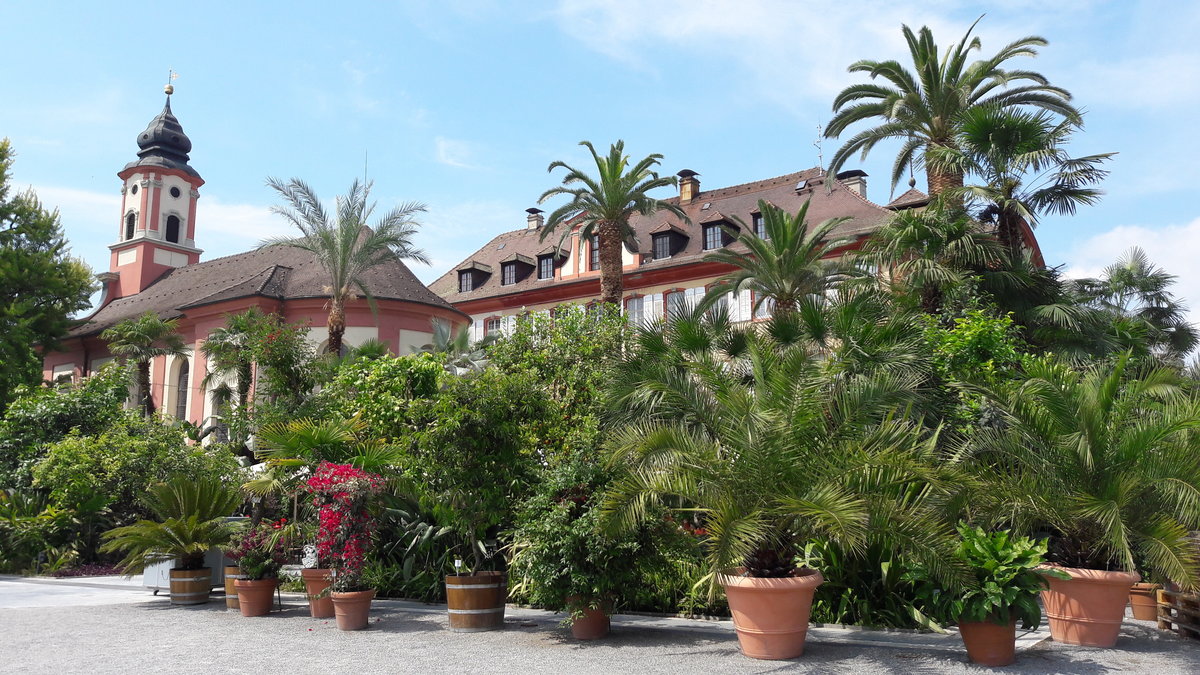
[(923, 108), (786, 266), (230, 353), (1023, 167), (141, 339), (459, 356), (343, 243), (1135, 291), (601, 207), (748, 436), (1105, 459)]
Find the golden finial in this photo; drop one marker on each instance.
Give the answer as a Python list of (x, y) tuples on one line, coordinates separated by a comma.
[(170, 88)]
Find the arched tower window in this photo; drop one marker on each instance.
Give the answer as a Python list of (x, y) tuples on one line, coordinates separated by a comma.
[(181, 391), (130, 224), (173, 229)]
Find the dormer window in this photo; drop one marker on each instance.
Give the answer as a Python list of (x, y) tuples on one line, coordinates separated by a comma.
[(508, 274), (760, 228), (546, 267), (716, 236), (662, 246), (466, 281)]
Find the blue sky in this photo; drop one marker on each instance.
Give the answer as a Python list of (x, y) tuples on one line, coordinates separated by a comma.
[(462, 104)]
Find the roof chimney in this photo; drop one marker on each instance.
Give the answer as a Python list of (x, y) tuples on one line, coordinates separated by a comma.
[(689, 186), (535, 220), (856, 180)]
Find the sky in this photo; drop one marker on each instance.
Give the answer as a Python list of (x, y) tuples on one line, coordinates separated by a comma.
[(462, 104)]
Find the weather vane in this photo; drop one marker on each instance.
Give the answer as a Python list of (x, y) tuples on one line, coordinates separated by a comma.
[(171, 77)]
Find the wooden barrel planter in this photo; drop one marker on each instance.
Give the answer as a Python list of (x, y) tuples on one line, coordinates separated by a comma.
[(232, 574), (475, 602), (190, 587)]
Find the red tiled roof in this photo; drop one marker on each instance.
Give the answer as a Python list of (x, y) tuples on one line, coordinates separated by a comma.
[(740, 201), (913, 197)]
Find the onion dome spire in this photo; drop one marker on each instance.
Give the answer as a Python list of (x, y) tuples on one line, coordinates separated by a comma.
[(163, 143)]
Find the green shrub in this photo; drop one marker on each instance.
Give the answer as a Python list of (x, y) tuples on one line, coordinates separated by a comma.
[(379, 391)]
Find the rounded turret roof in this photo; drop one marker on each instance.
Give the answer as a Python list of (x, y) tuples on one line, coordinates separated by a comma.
[(163, 143)]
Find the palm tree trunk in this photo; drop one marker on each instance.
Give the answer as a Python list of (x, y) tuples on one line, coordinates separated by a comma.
[(143, 374), (940, 182), (337, 325), (611, 283)]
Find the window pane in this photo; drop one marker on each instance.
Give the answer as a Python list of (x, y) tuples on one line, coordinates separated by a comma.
[(509, 271), (465, 282), (181, 392), (662, 246), (675, 304), (595, 262), (633, 309), (546, 267), (713, 237), (759, 228)]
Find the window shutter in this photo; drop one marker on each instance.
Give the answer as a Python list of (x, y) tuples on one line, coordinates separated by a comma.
[(744, 306), (654, 307)]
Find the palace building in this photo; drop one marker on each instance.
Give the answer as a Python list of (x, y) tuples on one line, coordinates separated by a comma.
[(156, 267), (519, 272)]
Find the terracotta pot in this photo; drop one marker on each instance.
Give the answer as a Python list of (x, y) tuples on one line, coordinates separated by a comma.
[(1143, 599), (771, 615), (1087, 609), (190, 587), (352, 610), (592, 625), (475, 602), (255, 596), (232, 574), (989, 644), (316, 585)]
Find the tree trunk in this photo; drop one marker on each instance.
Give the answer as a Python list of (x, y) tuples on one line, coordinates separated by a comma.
[(337, 325), (143, 375), (611, 283), (940, 182)]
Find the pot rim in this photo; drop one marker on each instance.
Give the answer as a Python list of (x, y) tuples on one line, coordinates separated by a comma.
[(351, 595), (806, 577), (1093, 576)]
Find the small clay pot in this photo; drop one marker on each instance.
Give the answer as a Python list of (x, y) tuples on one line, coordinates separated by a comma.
[(352, 610), (1143, 599), (316, 585), (989, 644), (1087, 609), (255, 596)]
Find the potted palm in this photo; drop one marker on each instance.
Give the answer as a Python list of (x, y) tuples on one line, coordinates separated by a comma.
[(1007, 581), (741, 430), (341, 494), (564, 561), (1104, 459), (259, 554), (191, 521)]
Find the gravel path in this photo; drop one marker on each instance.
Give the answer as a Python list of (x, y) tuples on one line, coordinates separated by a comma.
[(154, 637)]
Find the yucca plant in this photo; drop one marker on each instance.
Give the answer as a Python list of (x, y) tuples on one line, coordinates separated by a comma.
[(1104, 459), (749, 436), (191, 520)]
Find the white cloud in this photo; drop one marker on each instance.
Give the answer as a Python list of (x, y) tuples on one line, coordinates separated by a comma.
[(454, 153), (1172, 248)]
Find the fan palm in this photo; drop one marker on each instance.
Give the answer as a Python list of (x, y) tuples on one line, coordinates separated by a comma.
[(230, 353), (1134, 289), (141, 339), (191, 520), (787, 266), (1023, 168), (293, 448), (343, 243), (922, 107), (1105, 459), (601, 206), (746, 433), (459, 357)]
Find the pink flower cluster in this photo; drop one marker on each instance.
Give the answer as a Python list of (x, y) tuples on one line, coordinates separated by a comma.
[(340, 493)]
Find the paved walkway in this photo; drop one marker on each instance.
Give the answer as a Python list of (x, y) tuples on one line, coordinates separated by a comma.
[(110, 625)]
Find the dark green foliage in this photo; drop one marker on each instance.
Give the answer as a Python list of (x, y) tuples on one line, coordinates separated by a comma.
[(41, 285), (413, 552), (1006, 586), (40, 416), (141, 339)]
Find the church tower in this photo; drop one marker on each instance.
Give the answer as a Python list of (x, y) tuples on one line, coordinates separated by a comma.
[(159, 190)]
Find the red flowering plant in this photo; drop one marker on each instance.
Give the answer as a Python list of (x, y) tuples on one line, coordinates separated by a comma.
[(259, 551), (341, 494)]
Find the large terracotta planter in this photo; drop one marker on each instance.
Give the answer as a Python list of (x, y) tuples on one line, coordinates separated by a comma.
[(316, 585), (593, 624), (255, 595), (475, 602), (989, 644), (771, 615), (232, 574), (352, 610), (1087, 609), (190, 587), (1143, 600)]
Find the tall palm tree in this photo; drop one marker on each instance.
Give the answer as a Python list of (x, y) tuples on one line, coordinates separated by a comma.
[(922, 107), (343, 243), (1104, 459), (602, 205), (141, 339), (787, 266), (1135, 289), (1022, 165), (230, 353)]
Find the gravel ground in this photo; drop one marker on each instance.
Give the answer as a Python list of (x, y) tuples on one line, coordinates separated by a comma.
[(154, 637)]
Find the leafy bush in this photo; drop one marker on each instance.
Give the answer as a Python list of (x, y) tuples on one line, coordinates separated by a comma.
[(379, 391)]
